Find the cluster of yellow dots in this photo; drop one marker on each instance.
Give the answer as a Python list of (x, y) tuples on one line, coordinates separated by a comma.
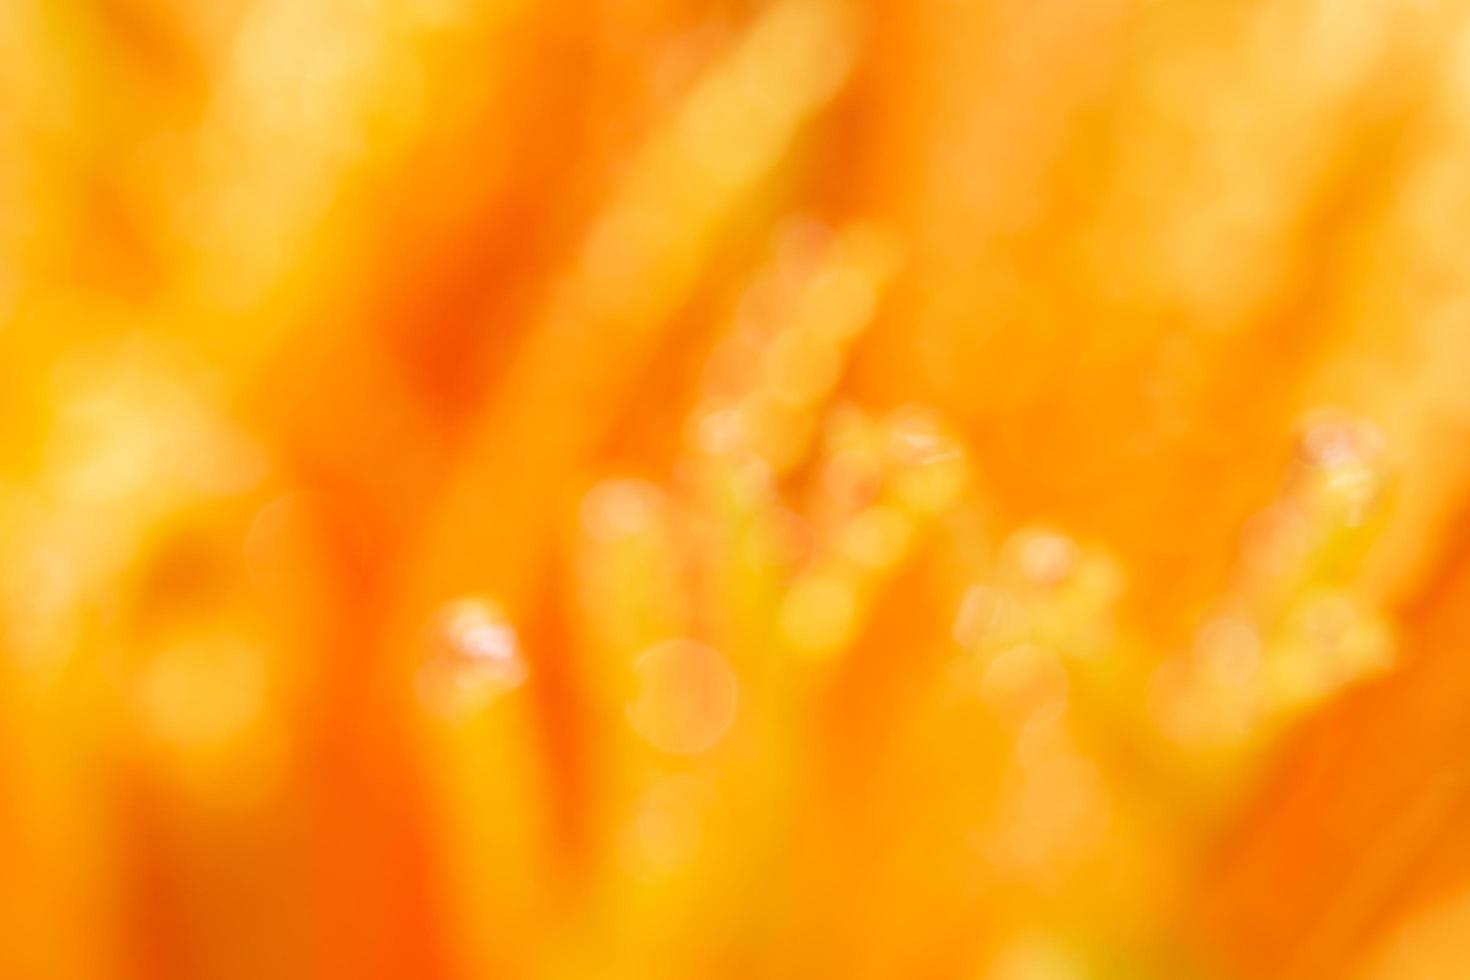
[(803, 508), (1293, 629)]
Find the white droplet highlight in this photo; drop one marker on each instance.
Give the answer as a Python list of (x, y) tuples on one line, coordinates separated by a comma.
[(475, 656)]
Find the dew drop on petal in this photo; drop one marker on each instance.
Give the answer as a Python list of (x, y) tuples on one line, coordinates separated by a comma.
[(1331, 441), (1042, 557), (877, 537), (1227, 650), (687, 697), (670, 825), (474, 656), (617, 509), (819, 615)]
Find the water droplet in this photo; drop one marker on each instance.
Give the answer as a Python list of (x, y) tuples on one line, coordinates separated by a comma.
[(1041, 557), (1227, 650), (990, 616), (916, 438), (617, 509), (931, 470), (475, 656), (687, 697), (877, 537), (719, 432), (1331, 440), (1328, 640), (819, 615), (1346, 456), (670, 825)]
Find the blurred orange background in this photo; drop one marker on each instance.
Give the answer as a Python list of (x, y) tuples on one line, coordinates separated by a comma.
[(734, 488)]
